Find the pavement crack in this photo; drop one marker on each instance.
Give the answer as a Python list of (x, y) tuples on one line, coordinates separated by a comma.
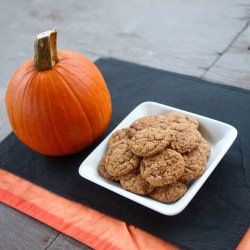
[(220, 54), (52, 241)]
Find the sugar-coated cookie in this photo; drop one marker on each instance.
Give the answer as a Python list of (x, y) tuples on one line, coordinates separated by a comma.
[(149, 141), (133, 182), (120, 160), (164, 168), (176, 117), (169, 193)]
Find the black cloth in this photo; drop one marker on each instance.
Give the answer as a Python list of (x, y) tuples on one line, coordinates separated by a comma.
[(219, 214)]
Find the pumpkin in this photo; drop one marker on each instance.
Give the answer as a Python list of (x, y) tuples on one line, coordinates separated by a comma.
[(57, 103)]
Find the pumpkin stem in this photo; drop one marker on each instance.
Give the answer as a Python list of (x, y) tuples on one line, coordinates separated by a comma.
[(46, 50)]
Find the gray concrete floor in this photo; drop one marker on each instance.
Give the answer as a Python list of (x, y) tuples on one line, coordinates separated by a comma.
[(208, 39)]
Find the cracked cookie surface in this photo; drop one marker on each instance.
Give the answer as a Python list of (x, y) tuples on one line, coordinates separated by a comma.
[(103, 171), (149, 141), (153, 121), (196, 161), (121, 134), (169, 193), (133, 182), (205, 147), (120, 160), (163, 168), (180, 127), (179, 118), (156, 156), (185, 141)]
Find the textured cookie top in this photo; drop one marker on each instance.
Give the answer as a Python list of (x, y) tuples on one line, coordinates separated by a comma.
[(169, 193), (133, 182), (103, 171), (121, 134), (163, 168), (155, 121), (195, 162), (149, 141), (180, 126), (156, 156), (205, 147), (185, 141), (175, 117), (120, 160)]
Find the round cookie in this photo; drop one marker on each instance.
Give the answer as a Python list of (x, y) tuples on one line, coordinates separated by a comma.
[(205, 147), (195, 161), (180, 127), (185, 141), (176, 117), (169, 193), (155, 121), (162, 169), (149, 141), (133, 182), (121, 134), (120, 160), (103, 172)]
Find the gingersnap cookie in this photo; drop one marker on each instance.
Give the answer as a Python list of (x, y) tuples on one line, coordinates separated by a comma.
[(205, 147), (155, 121), (120, 160), (162, 169), (103, 172), (180, 127), (134, 183), (149, 141), (169, 193), (195, 161), (185, 141), (176, 117), (121, 134)]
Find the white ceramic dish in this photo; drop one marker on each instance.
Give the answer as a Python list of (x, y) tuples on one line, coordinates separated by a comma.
[(220, 136)]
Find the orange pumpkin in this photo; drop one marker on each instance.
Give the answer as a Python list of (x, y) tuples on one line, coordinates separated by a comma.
[(57, 106)]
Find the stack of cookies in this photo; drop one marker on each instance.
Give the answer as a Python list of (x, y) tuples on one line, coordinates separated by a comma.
[(156, 156)]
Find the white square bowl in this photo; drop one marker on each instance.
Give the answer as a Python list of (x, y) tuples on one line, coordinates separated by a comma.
[(220, 136)]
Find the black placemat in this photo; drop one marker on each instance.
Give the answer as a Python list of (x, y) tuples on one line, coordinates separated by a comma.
[(217, 217)]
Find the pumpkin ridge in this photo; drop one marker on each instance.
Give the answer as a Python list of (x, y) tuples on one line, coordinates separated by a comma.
[(25, 90), (102, 120), (106, 99), (95, 70), (38, 133), (29, 85), (79, 103), (12, 119), (36, 125), (51, 120)]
